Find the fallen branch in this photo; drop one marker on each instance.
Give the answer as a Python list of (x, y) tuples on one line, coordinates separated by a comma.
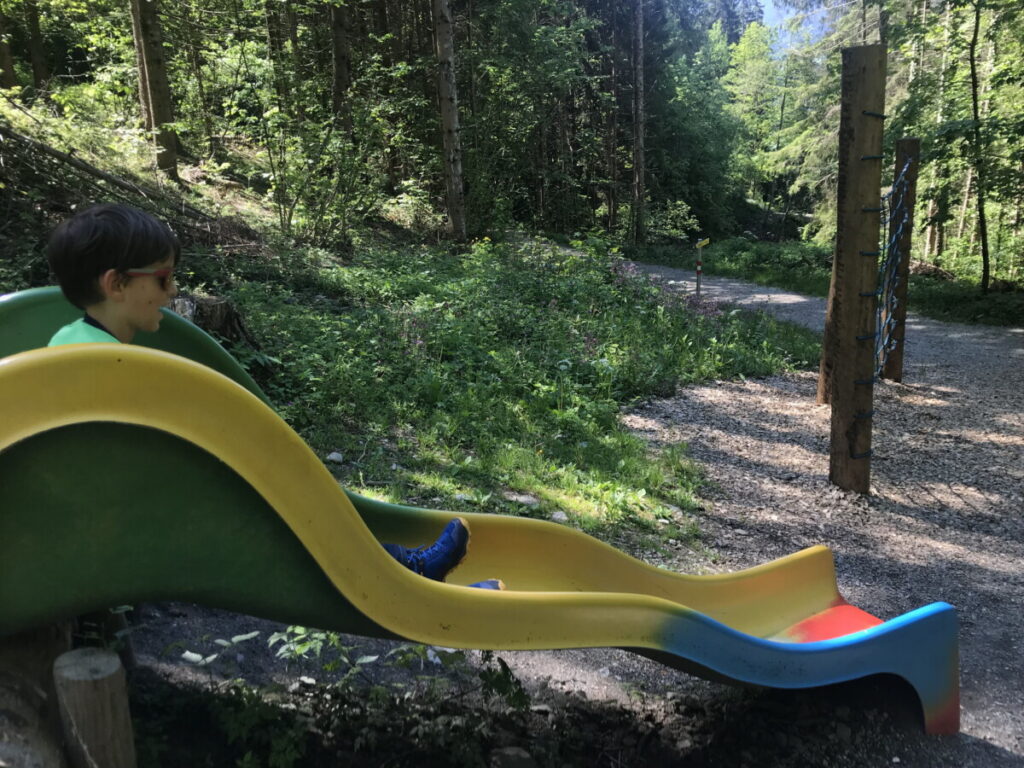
[(141, 190)]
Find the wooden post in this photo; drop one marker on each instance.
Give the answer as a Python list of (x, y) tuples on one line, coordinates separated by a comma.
[(93, 702), (908, 155), (848, 347)]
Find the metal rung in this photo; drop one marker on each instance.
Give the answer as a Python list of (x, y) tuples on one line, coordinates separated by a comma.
[(879, 115), (866, 455)]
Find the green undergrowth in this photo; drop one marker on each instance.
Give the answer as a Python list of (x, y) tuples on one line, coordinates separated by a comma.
[(807, 268), (460, 379)]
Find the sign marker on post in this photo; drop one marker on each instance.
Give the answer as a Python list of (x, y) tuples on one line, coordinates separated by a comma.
[(700, 264)]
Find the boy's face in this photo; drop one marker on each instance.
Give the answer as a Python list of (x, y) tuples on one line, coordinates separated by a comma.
[(145, 291)]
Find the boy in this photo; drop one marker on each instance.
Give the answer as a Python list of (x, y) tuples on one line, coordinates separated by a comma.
[(116, 263)]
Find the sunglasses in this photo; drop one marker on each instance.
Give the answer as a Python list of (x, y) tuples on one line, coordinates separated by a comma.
[(165, 277)]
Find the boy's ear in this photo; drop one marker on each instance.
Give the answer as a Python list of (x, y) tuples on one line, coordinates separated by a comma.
[(111, 285)]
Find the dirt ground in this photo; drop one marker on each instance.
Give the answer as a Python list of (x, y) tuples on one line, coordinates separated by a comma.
[(944, 522)]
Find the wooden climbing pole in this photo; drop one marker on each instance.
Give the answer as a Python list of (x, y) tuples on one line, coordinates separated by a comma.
[(846, 378)]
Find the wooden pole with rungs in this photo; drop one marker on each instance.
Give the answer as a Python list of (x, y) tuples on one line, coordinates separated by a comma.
[(847, 372), (901, 229)]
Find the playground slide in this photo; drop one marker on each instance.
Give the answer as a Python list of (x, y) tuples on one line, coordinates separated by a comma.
[(130, 474)]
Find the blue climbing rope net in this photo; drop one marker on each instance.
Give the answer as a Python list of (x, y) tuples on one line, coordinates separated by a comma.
[(895, 219)]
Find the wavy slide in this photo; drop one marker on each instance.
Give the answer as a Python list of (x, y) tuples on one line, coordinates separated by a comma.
[(129, 474)]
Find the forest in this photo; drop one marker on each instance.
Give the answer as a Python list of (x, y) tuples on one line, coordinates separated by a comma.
[(422, 213), (651, 122)]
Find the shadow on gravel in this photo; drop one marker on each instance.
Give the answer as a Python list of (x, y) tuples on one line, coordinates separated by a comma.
[(870, 722), (873, 722)]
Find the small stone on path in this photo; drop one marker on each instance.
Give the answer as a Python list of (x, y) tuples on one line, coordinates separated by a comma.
[(521, 498)]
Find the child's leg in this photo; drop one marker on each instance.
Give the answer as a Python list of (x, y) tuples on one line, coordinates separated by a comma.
[(436, 561)]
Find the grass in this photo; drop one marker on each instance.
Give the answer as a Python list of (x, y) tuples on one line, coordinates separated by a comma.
[(806, 268), (450, 379)]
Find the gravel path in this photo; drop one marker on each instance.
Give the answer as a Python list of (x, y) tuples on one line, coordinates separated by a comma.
[(945, 520)]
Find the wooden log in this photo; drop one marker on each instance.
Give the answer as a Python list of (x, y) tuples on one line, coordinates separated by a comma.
[(93, 701), (29, 728), (908, 155), (851, 320)]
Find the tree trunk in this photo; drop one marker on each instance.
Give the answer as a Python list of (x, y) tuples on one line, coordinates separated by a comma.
[(140, 64), (979, 153), (965, 203), (639, 190), (540, 163), (36, 47), (612, 135), (7, 77), (192, 23), (341, 58), (146, 21), (382, 25), (275, 52), (471, 48), (938, 205), (291, 18), (918, 51), (444, 44)]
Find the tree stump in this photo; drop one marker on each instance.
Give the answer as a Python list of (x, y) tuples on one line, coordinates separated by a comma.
[(93, 701), (215, 315)]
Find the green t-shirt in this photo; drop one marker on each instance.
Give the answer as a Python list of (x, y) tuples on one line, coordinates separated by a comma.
[(81, 332)]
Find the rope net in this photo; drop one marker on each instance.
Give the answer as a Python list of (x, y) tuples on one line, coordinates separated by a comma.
[(895, 219)]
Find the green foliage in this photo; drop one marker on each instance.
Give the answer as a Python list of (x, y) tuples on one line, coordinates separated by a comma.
[(234, 725), (802, 267), (457, 377), (500, 681), (259, 729), (437, 702), (806, 268), (963, 302)]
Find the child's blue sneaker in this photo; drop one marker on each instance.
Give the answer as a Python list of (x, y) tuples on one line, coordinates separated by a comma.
[(441, 557), (489, 584)]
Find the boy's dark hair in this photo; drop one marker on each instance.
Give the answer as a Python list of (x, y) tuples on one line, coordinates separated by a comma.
[(108, 236)]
